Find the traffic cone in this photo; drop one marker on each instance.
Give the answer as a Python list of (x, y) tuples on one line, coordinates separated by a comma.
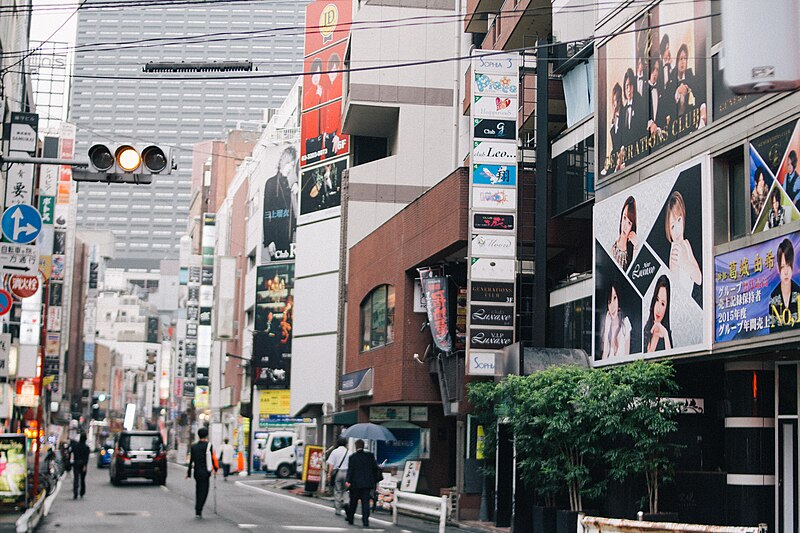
[(240, 462)]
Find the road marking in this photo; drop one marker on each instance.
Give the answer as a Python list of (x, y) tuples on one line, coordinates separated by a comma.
[(101, 514), (248, 526), (165, 489), (322, 528), (312, 504)]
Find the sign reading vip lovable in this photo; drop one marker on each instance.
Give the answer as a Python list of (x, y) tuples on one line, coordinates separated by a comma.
[(652, 249), (757, 290), (651, 86), (321, 138), (493, 202)]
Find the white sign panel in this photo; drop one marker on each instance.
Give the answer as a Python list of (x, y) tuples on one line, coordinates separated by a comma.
[(19, 258), (19, 183), (484, 84), (486, 268), (481, 363), (29, 327), (500, 107), (494, 245), (494, 198), (494, 152), (48, 180), (23, 137), (5, 348), (496, 63)]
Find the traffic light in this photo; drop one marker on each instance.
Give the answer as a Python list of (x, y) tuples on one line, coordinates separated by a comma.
[(126, 163)]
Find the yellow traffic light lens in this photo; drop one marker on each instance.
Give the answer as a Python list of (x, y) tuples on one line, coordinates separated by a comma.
[(128, 159)]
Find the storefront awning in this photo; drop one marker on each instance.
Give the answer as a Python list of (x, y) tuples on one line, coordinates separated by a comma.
[(310, 410), (342, 418)]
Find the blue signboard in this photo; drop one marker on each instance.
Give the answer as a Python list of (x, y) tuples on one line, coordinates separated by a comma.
[(494, 175), (757, 289), (407, 447), (21, 223)]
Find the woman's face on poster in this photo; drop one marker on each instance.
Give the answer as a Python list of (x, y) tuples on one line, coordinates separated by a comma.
[(625, 223), (683, 61), (761, 184), (776, 203), (660, 308), (613, 303), (675, 226)]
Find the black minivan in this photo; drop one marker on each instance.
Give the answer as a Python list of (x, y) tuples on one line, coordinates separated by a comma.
[(139, 454)]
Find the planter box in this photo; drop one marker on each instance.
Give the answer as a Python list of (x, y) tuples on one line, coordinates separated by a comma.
[(566, 521), (544, 519)]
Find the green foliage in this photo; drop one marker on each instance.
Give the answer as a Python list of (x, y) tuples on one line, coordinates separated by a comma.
[(568, 422), (484, 398)]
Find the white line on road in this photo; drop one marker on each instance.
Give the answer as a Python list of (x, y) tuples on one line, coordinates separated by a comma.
[(317, 505), (248, 526), (165, 489), (321, 528)]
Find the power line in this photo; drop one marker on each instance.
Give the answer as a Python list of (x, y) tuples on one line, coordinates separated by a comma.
[(374, 67)]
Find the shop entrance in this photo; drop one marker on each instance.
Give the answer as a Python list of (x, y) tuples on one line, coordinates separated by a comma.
[(787, 439)]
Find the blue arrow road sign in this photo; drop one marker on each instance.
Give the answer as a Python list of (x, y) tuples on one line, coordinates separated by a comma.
[(21, 223)]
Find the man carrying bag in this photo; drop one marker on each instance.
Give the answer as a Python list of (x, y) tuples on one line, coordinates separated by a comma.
[(337, 474), (204, 462)]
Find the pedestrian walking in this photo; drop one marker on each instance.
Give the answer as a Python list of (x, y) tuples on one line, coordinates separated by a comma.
[(337, 474), (79, 453), (226, 455), (202, 459), (362, 476)]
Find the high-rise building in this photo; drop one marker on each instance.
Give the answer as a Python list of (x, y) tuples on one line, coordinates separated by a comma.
[(110, 100)]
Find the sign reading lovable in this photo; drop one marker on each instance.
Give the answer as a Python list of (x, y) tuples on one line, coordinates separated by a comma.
[(757, 290)]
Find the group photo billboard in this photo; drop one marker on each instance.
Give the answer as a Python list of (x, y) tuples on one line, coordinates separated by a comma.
[(757, 289), (774, 181), (652, 250), (651, 84), (321, 187), (280, 183)]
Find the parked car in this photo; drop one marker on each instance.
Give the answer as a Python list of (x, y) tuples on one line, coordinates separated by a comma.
[(104, 454), (139, 454)]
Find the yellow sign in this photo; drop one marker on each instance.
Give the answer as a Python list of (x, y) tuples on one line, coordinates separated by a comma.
[(273, 402), (201, 397), (328, 20), (479, 444)]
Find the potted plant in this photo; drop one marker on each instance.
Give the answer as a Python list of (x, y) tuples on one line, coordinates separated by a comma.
[(554, 414), (641, 419)]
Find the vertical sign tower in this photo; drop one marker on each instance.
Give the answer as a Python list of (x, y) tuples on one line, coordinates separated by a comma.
[(493, 208)]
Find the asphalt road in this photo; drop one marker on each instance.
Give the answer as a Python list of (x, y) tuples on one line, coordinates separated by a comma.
[(241, 504)]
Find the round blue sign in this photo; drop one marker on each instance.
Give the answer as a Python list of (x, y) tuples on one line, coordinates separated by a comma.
[(21, 223), (5, 301)]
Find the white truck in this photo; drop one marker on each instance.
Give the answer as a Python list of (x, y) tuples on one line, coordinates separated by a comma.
[(278, 454)]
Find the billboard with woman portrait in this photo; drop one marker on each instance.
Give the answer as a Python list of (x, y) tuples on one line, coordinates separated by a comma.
[(774, 178), (651, 84), (652, 250)]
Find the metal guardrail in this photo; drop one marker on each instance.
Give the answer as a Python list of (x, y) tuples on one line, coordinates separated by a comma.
[(421, 504)]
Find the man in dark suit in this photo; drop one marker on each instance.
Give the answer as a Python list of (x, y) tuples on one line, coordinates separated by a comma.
[(362, 475), (80, 460), (200, 458)]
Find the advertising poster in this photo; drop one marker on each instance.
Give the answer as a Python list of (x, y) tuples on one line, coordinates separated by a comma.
[(651, 84), (652, 249), (494, 198), (321, 187), (321, 138), (13, 470), (321, 132), (313, 464), (281, 202), (774, 180), (272, 402), (725, 100), (272, 338), (757, 289), (494, 175), (438, 308), (407, 447), (324, 84)]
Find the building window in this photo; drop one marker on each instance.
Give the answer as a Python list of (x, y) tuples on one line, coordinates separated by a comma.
[(377, 318), (573, 176), (731, 198)]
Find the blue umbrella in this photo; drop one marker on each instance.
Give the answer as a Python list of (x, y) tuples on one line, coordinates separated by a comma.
[(368, 431)]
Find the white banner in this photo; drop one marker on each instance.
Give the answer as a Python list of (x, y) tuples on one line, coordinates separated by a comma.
[(494, 245), (494, 198), (500, 107), (485, 268), (494, 152)]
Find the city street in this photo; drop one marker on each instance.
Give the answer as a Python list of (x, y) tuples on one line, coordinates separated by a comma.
[(250, 505)]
